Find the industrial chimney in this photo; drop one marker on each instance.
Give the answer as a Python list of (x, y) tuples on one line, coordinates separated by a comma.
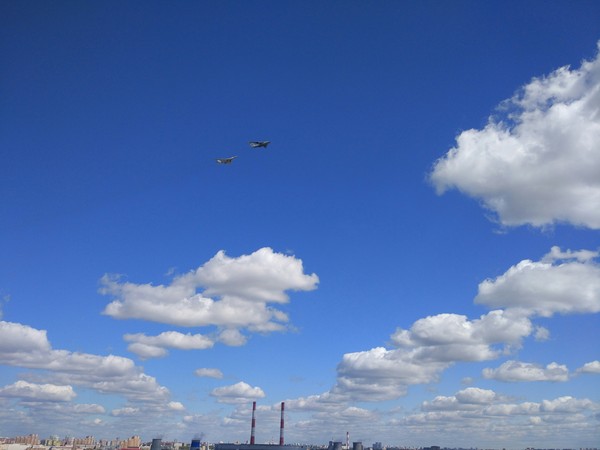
[(281, 427), (253, 424)]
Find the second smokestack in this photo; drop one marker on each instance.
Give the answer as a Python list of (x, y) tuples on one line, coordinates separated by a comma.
[(253, 424), (281, 427)]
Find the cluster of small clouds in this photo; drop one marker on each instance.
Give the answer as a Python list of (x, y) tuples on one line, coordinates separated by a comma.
[(483, 412), (232, 294), (237, 295), (49, 392), (537, 162), (562, 282)]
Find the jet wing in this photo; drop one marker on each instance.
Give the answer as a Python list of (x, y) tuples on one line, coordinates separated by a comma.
[(256, 144), (226, 160)]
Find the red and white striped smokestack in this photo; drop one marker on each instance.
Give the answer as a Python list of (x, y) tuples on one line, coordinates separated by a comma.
[(253, 424), (281, 427)]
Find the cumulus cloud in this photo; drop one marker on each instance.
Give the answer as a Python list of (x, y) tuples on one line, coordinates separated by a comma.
[(456, 338), (17, 339), (424, 351), (232, 293), (127, 411), (542, 334), (237, 393), (591, 367), (538, 164), (562, 282), (209, 373), (489, 403), (232, 338), (468, 399), (156, 346), (24, 346), (176, 406), (145, 351), (38, 392), (521, 371), (567, 404), (326, 402), (92, 408)]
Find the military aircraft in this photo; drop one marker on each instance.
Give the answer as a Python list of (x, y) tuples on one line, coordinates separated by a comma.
[(258, 144), (226, 160)]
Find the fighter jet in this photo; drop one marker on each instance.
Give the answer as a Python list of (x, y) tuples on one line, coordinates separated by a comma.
[(226, 160), (258, 144)]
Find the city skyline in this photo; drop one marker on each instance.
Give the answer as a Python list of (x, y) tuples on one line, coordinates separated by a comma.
[(414, 258)]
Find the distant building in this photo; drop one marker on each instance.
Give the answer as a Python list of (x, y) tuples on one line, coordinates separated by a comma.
[(132, 442), (30, 439)]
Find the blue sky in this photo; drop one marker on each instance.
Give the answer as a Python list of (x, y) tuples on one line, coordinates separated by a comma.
[(413, 259)]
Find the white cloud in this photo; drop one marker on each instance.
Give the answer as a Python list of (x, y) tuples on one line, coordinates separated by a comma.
[(145, 351), (326, 402), (475, 396), (237, 393), (141, 387), (435, 343), (478, 404), (208, 372), (243, 288), (381, 374), (546, 287), (127, 411), (471, 398), (262, 276), (591, 367), (475, 413), (556, 254), (542, 334), (429, 347), (176, 406), (520, 371), (441, 403), (512, 409), (233, 338), (540, 164), (38, 392), (156, 346), (567, 404), (17, 339), (453, 337), (88, 409), (109, 374)]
